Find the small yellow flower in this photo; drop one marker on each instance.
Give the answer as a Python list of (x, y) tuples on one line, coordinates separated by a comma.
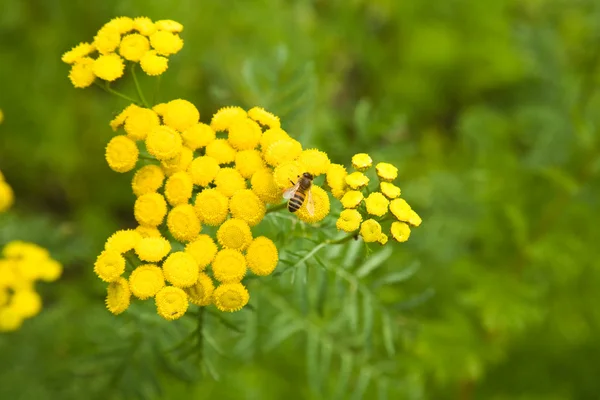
[(400, 231), (171, 302), (147, 179), (349, 220), (121, 154), (183, 223), (197, 136), (315, 161), (264, 117), (139, 122), (51, 271), (212, 207), (244, 134), (146, 280), (370, 230), (362, 161), (390, 190), (229, 266), (247, 206), (203, 170), (180, 269), (121, 117), (118, 296), (230, 297), (26, 302), (10, 319), (400, 209), (234, 234), (107, 39), (121, 24), (166, 43), (122, 241), (163, 142), (321, 204), (357, 180), (179, 163), (203, 249), (287, 174), (201, 292), (282, 151), (414, 219), (109, 265), (247, 162), (262, 256), (386, 172), (263, 184), (271, 136), (336, 179), (7, 197), (178, 188), (153, 64), (134, 46), (377, 204), (383, 239), (150, 209), (108, 67), (229, 181), (77, 53), (225, 116), (152, 249), (180, 114), (221, 151), (169, 25), (147, 231), (144, 25), (82, 73), (352, 199)]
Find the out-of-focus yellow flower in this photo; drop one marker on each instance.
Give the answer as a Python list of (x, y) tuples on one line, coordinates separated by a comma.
[(212, 207), (139, 122), (221, 151), (169, 25), (225, 116), (7, 197), (152, 249), (122, 241), (166, 43), (370, 230), (377, 204), (201, 292), (228, 181), (247, 206), (163, 142), (264, 117), (108, 67), (171, 302), (82, 73), (198, 136), (183, 223), (263, 184), (349, 220), (203, 249), (153, 64), (146, 280), (109, 265), (357, 180), (144, 25), (352, 199), (180, 114), (386, 171), (147, 231), (121, 154), (147, 179), (390, 190), (121, 117), (400, 231), (262, 256), (26, 302), (179, 163), (286, 175), (230, 297), (271, 136), (107, 40), (414, 219), (180, 269), (150, 209), (78, 52), (315, 161), (234, 234), (383, 239), (282, 151), (10, 319), (321, 204), (203, 170), (229, 265), (118, 296), (244, 134), (247, 162), (400, 209), (336, 179), (178, 188), (134, 46), (362, 161)]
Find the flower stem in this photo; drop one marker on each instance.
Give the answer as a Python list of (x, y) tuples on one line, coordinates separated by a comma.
[(277, 207), (110, 90), (156, 90), (344, 239), (138, 87)]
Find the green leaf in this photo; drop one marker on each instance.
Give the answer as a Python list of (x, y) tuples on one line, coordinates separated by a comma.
[(362, 384), (368, 321), (312, 361), (388, 335), (373, 262), (352, 309), (279, 335), (343, 381), (400, 276)]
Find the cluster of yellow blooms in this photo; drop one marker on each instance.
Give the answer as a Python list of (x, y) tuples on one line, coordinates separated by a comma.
[(365, 210), (21, 266), (6, 194), (138, 40)]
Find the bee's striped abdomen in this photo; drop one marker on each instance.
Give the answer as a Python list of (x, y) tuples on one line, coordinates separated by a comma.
[(296, 202)]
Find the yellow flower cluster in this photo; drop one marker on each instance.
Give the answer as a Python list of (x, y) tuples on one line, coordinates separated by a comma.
[(21, 265), (6, 194), (122, 40), (365, 211)]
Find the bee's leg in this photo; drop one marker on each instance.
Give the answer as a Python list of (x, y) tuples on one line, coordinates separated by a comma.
[(292, 182)]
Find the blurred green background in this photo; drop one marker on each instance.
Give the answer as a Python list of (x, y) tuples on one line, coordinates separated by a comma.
[(489, 109)]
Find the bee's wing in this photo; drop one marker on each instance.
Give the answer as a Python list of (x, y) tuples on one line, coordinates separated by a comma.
[(310, 204), (289, 193)]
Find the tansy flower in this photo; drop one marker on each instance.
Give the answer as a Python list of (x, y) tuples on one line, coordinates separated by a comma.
[(352, 199), (144, 25), (147, 231), (163, 142), (321, 204), (212, 207), (357, 180), (147, 179), (203, 249), (400, 209), (361, 161), (271, 136), (247, 206), (178, 188), (315, 161), (262, 256), (200, 293), (221, 151), (109, 265), (370, 230), (134, 46), (400, 231), (336, 179), (383, 239), (107, 39), (153, 64), (152, 249), (118, 296), (27, 301), (146, 280), (180, 269), (82, 73), (225, 116), (51, 270), (386, 172), (264, 117), (349, 220), (150, 209), (139, 122), (179, 163), (121, 117), (247, 162), (77, 53), (122, 241), (6, 196), (121, 24), (234, 234), (171, 302), (169, 25), (203, 170), (244, 134), (180, 114), (108, 67), (414, 219), (197, 136), (183, 223), (377, 204), (263, 184), (229, 181), (230, 297), (10, 319), (121, 154), (286, 175), (229, 266), (390, 190), (166, 43), (281, 151)]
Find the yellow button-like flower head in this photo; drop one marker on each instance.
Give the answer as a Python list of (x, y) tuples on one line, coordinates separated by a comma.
[(271, 136), (212, 207), (7, 197), (230, 297), (362, 161), (221, 150), (144, 25), (183, 223), (203, 170), (370, 230), (139, 122), (121, 24), (180, 269), (178, 188), (234, 234), (118, 296), (386, 172), (122, 241), (400, 209), (152, 249), (180, 115), (336, 179), (247, 206), (286, 174), (321, 204), (107, 39), (229, 181), (315, 161), (121, 154), (109, 265), (133, 47), (383, 239), (352, 199), (197, 136), (229, 266), (357, 180), (147, 231), (147, 179), (262, 256), (179, 163), (400, 231), (150, 209), (390, 190), (166, 43), (82, 73), (247, 162), (264, 117), (244, 134), (169, 25), (377, 204), (108, 67), (263, 184), (349, 220), (203, 249), (225, 116), (414, 219), (164, 142), (201, 292), (77, 53), (171, 302), (121, 117), (153, 64), (146, 280), (282, 151)]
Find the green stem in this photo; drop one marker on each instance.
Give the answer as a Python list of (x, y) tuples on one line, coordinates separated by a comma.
[(145, 157), (110, 90), (138, 87), (277, 207), (156, 90), (344, 239)]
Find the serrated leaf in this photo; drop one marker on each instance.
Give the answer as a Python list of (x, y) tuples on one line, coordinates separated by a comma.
[(416, 301), (326, 356), (343, 381), (368, 321), (279, 335), (400, 276), (388, 335), (364, 379), (312, 361), (352, 309), (352, 253), (373, 262), (323, 287), (210, 368)]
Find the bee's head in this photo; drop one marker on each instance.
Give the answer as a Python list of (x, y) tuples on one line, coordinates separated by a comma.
[(307, 175)]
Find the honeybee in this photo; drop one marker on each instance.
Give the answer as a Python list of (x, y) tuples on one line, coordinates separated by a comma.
[(300, 191)]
